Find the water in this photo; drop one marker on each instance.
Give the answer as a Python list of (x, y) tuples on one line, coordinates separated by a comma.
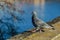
[(47, 12), (52, 10)]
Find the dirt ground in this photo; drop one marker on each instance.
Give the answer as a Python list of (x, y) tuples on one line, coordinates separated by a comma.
[(49, 34)]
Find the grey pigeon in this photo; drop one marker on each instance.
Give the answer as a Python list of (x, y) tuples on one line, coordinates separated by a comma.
[(38, 23)]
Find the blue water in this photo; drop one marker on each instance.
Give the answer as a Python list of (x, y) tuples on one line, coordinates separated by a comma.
[(52, 10), (47, 13)]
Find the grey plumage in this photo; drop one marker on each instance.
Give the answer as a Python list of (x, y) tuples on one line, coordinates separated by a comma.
[(38, 23)]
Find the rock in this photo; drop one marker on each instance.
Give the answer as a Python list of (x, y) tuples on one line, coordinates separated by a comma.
[(54, 20)]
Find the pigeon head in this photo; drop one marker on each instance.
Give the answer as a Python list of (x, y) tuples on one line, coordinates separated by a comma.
[(34, 13)]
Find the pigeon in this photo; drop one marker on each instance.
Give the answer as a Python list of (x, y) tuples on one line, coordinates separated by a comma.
[(38, 23)]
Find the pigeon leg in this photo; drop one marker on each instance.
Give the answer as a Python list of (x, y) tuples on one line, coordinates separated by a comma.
[(41, 30), (34, 31)]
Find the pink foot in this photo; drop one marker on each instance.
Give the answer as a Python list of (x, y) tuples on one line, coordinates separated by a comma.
[(34, 31)]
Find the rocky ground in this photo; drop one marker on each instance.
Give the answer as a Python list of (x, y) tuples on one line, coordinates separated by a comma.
[(49, 34)]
